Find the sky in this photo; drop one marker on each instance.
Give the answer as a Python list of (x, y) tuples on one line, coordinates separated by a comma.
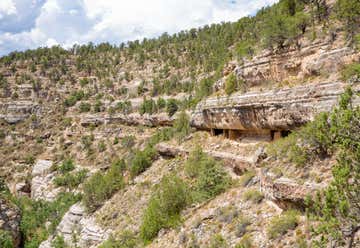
[(28, 24)]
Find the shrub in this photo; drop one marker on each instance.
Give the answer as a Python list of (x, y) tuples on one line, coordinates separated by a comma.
[(124, 107), (148, 106), (350, 71), (101, 186), (182, 126), (280, 225), (58, 242), (84, 107), (35, 215), (253, 195), (101, 146), (71, 180), (6, 240), (231, 84), (336, 207), (313, 140), (126, 239), (98, 106), (245, 242), (348, 11), (142, 160), (218, 241), (163, 210), (73, 98), (66, 166), (210, 178), (161, 103), (171, 107)]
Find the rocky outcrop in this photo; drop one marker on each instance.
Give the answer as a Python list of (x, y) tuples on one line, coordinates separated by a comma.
[(283, 109), (133, 119), (308, 59), (41, 183), (15, 111), (10, 217), (76, 223), (237, 163), (284, 191)]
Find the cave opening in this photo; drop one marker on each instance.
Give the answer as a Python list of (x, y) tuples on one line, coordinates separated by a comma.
[(275, 134), (218, 132)]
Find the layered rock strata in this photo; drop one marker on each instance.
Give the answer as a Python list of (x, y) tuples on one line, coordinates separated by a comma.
[(271, 113)]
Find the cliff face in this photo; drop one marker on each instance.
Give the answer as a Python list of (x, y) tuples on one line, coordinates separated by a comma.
[(299, 62), (277, 110)]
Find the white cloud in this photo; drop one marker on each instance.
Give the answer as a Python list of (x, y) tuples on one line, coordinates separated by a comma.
[(7, 7), (66, 22)]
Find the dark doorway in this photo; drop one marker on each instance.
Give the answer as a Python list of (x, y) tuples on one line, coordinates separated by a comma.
[(285, 133), (218, 132)]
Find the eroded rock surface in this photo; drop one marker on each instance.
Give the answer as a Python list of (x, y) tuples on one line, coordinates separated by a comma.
[(78, 229), (15, 111), (283, 109), (319, 57), (41, 183), (132, 119)]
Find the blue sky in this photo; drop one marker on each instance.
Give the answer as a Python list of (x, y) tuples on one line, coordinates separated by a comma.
[(28, 24)]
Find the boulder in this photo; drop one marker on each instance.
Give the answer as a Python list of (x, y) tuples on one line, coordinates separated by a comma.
[(41, 182)]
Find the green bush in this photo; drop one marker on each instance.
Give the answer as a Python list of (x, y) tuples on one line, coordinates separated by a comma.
[(231, 84), (126, 239), (311, 141), (210, 178), (66, 166), (58, 242), (142, 160), (245, 242), (280, 225), (35, 215), (182, 126), (74, 98), (101, 186), (171, 107), (71, 180), (84, 107), (348, 11), (218, 241), (101, 146), (253, 195), (148, 106), (336, 208), (6, 240), (98, 106), (164, 207), (350, 71)]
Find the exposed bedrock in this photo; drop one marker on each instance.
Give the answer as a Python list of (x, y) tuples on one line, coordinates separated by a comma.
[(309, 59), (133, 119), (15, 111), (237, 163), (275, 110)]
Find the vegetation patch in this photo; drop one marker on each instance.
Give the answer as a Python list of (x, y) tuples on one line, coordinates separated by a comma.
[(101, 186), (165, 205), (280, 225), (35, 215), (253, 195)]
